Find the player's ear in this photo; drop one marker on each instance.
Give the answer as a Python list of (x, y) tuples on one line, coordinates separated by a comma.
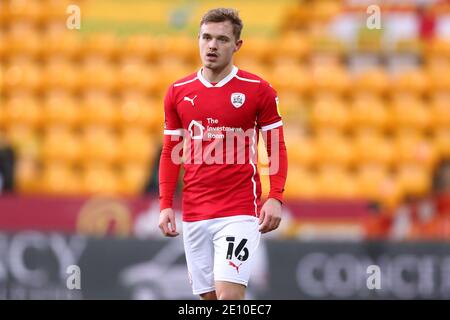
[(238, 45)]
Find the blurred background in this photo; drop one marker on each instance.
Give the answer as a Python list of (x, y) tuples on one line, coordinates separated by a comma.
[(365, 99)]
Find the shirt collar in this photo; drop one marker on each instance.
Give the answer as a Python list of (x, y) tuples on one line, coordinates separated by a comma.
[(221, 83)]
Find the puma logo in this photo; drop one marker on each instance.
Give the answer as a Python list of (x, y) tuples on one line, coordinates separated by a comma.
[(234, 266), (190, 100)]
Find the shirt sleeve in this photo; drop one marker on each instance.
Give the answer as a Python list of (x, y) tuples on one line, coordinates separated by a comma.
[(172, 122), (268, 115)]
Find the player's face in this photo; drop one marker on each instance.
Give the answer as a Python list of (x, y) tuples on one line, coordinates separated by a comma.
[(217, 44)]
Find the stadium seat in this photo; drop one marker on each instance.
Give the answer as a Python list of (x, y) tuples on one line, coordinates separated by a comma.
[(27, 175), (98, 108), (60, 108), (22, 39), (58, 178), (60, 43), (329, 111), (101, 46), (371, 147), (413, 81), (368, 110), (415, 180), (411, 146), (441, 141), (290, 76), (440, 110), (139, 47), (22, 109), (60, 145), (24, 10), (135, 144), (22, 75), (301, 184), (409, 111), (326, 78), (332, 147), (135, 109), (132, 177), (99, 144), (97, 74), (292, 45), (334, 182), (61, 74), (373, 80), (99, 179)]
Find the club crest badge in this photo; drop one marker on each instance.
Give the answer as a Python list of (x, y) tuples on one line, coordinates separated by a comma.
[(237, 99)]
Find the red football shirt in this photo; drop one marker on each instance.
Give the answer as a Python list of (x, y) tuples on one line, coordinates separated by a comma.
[(220, 124)]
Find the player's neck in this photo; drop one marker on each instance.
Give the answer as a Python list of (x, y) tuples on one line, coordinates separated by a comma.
[(214, 76)]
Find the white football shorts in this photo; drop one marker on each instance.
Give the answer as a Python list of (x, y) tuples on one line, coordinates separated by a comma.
[(220, 249)]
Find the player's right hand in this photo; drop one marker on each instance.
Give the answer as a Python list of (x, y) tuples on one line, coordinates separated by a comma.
[(167, 223)]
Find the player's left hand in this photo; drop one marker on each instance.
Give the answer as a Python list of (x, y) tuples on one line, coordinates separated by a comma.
[(270, 215)]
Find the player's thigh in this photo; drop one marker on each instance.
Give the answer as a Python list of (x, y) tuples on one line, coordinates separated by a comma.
[(199, 251), (235, 245), (226, 290)]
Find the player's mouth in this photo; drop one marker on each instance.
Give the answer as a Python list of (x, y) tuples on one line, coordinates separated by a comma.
[(212, 56)]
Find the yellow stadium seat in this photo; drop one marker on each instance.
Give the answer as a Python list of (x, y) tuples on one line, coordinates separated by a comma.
[(329, 111), (132, 178), (139, 47), (439, 75), (2, 45), (60, 144), (30, 10), (22, 39), (139, 110), (414, 179), (293, 108), (22, 109), (54, 9), (368, 110), (256, 49), (441, 141), (334, 182), (26, 175), (135, 144), (440, 110), (137, 76), (98, 108), (333, 148), (414, 81), (293, 45), (101, 45), (22, 75), (60, 108), (301, 184), (59, 179), (99, 144), (371, 147), (409, 111), (373, 80), (61, 43), (290, 76), (375, 182), (97, 74), (411, 146), (332, 78), (301, 149), (98, 178), (182, 49), (60, 74)]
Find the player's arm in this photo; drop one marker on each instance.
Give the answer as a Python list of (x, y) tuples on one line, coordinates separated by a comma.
[(270, 215), (169, 167), (271, 125)]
